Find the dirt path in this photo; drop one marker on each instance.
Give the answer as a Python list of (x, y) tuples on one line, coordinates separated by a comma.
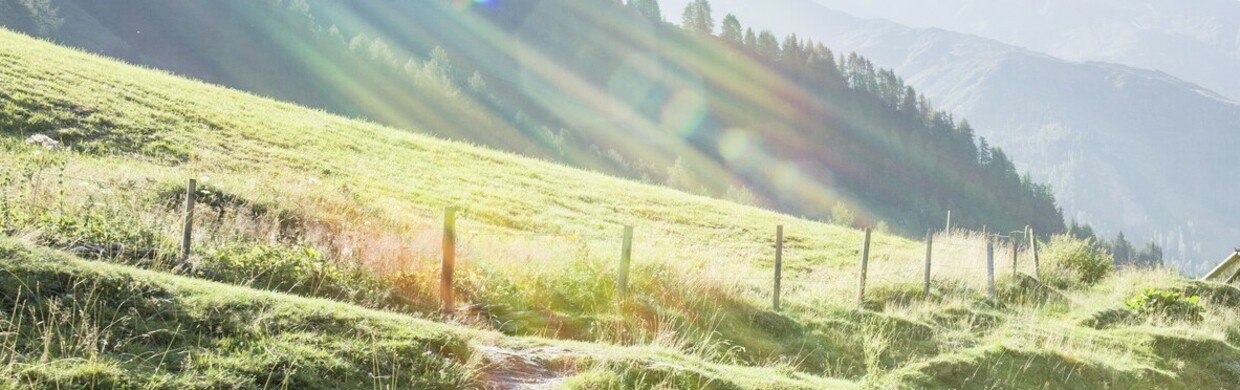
[(529, 369)]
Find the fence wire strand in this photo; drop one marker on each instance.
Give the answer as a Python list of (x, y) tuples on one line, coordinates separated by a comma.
[(803, 263)]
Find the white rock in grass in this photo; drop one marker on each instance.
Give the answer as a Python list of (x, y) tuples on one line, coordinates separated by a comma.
[(44, 141)]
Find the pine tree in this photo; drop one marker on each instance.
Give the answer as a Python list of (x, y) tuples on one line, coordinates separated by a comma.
[(1151, 255), (841, 215), (477, 84), (680, 176), (908, 105), (649, 9), (359, 42), (36, 17), (334, 32), (697, 18), (768, 46), (984, 157), (1082, 231), (380, 52), (741, 195), (790, 55), (732, 31), (440, 66), (1122, 250)]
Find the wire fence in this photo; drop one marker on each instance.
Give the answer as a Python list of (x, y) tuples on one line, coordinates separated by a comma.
[(960, 255)]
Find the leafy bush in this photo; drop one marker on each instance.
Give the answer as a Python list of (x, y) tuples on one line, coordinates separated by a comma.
[(215, 199), (1168, 305), (299, 270), (99, 234), (1084, 260)]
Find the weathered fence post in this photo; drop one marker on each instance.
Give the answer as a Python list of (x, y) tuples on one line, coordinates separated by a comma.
[(446, 294), (779, 263), (990, 268), (1015, 250), (1033, 246), (929, 251), (949, 222), (191, 195), (626, 252), (865, 265)]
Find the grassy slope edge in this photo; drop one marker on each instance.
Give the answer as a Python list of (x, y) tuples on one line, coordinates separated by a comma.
[(356, 188), (68, 322)]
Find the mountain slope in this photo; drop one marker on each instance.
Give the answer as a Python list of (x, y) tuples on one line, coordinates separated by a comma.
[(1124, 149), (1198, 41), (590, 84), (307, 203), (535, 249), (349, 210)]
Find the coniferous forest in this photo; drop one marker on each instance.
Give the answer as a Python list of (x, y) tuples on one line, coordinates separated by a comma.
[(710, 106)]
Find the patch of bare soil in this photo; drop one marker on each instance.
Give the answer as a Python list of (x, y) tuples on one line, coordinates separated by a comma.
[(528, 369)]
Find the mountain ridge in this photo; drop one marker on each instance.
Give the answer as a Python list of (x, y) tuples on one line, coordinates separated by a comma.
[(1196, 42), (1069, 123)]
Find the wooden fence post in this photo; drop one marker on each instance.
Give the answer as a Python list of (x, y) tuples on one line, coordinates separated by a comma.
[(446, 294), (1033, 246), (865, 265), (779, 263), (990, 268), (949, 222), (929, 251), (626, 253), (191, 195), (1015, 249)]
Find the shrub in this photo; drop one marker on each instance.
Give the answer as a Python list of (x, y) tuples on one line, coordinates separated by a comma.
[(1155, 303), (1084, 259), (298, 270)]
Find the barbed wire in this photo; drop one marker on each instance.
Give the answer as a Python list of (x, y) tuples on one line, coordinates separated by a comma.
[(798, 250), (979, 268), (729, 278)]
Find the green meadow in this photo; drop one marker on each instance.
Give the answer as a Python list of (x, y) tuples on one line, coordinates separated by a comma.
[(316, 260)]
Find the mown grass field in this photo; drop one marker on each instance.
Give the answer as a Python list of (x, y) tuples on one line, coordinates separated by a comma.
[(344, 215)]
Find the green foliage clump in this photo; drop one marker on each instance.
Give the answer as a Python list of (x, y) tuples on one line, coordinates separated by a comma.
[(75, 324), (1110, 318), (211, 197), (64, 230), (1082, 260), (95, 233), (841, 215), (299, 270), (1162, 304)]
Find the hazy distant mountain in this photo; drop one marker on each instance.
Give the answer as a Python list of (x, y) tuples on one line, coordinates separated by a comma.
[(1197, 40), (1125, 148)]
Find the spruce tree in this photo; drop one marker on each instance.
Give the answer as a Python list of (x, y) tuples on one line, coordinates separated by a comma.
[(648, 9), (697, 18), (732, 30)]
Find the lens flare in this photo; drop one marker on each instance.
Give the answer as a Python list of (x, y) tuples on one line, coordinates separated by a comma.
[(684, 113)]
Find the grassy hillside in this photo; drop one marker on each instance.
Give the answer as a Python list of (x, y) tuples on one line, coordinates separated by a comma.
[(302, 202), (596, 85)]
